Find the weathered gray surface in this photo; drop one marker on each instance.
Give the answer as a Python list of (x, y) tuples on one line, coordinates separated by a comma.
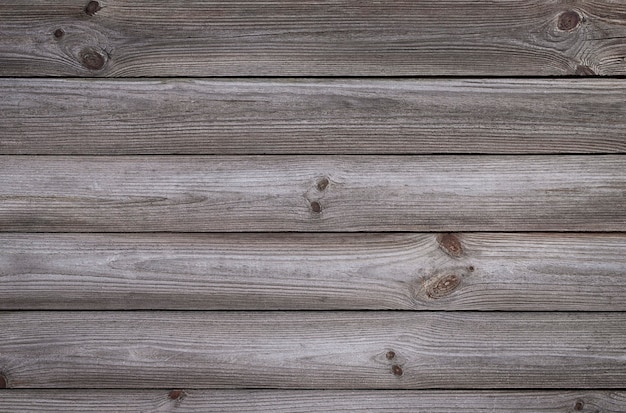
[(296, 38), (313, 193), (490, 271), (173, 116), (313, 350), (295, 401)]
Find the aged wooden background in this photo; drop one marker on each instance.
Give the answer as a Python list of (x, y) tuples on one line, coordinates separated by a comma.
[(295, 206)]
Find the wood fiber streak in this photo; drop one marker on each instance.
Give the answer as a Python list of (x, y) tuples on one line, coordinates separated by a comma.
[(322, 38), (292, 116), (496, 271), (315, 350), (283, 193), (295, 401)]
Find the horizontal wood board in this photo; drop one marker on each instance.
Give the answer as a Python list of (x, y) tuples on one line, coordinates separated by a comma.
[(474, 271), (296, 401), (313, 193), (312, 350), (307, 116), (322, 38)]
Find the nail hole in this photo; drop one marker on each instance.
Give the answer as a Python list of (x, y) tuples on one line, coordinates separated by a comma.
[(58, 33), (397, 370), (390, 355)]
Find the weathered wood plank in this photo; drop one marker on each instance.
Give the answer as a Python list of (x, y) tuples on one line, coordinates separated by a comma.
[(491, 271), (330, 37), (313, 350), (311, 116), (313, 193), (302, 401)]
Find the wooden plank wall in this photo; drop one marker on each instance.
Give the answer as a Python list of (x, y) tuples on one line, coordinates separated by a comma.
[(289, 206)]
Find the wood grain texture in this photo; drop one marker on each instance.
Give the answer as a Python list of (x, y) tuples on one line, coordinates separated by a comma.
[(494, 271), (313, 193), (313, 350), (174, 116), (329, 38), (299, 401)]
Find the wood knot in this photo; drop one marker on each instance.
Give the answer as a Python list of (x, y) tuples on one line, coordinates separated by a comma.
[(568, 21), (316, 207), (582, 70), (322, 184), (450, 244), (176, 395), (4, 383), (92, 8), (579, 405), (390, 355), (397, 370), (443, 286), (58, 33), (91, 59)]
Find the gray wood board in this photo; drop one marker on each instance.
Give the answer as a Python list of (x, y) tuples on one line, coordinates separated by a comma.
[(297, 401), (313, 350), (474, 271), (324, 38), (313, 193), (289, 116)]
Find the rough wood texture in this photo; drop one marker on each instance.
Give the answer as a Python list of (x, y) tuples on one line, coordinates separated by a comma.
[(312, 350), (313, 193), (490, 271), (330, 37), (296, 401), (311, 116)]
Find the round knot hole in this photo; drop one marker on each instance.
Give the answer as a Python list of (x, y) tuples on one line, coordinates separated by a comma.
[(92, 8), (316, 207), (92, 60), (322, 184), (579, 405), (568, 21)]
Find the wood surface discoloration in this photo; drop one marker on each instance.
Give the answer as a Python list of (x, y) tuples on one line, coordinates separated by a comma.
[(306, 401), (296, 116), (326, 38), (308, 350), (499, 271), (273, 193)]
